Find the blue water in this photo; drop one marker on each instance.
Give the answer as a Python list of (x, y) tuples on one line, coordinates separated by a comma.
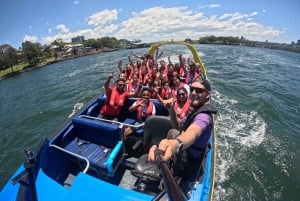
[(257, 93)]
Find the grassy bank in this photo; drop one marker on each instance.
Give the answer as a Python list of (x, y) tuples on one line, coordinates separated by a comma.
[(19, 68)]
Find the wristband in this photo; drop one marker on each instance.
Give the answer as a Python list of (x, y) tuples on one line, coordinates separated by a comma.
[(180, 145)]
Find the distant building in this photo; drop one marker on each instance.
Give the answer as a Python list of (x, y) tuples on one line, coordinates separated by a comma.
[(78, 39)]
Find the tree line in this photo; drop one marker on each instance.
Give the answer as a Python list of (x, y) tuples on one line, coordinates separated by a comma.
[(31, 54)]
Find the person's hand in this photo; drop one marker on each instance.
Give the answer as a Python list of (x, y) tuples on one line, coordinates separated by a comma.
[(120, 62), (168, 147), (168, 104), (142, 103), (111, 75)]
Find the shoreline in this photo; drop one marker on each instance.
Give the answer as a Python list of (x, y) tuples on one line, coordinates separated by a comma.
[(26, 69), (94, 51)]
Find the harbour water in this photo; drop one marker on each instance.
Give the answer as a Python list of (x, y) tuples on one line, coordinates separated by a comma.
[(256, 92)]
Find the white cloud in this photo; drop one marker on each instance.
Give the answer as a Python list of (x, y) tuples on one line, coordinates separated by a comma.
[(32, 39), (102, 18), (209, 6), (62, 28), (214, 6), (160, 23), (76, 2)]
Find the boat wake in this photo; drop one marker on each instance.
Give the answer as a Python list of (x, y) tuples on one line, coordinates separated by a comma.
[(236, 131)]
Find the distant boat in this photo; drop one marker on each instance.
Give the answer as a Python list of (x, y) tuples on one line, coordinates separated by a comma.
[(88, 159)]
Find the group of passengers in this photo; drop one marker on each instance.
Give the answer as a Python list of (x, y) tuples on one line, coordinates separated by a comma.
[(183, 91), (167, 83)]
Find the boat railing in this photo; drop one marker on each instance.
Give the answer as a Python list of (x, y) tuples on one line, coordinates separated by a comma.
[(73, 154), (121, 124)]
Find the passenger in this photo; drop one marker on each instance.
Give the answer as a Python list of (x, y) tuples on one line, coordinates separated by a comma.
[(116, 97), (165, 92), (128, 71), (137, 66), (198, 69), (193, 133), (153, 86), (176, 84), (191, 74), (178, 67), (144, 77), (144, 107), (170, 73), (134, 84), (181, 105), (163, 67), (122, 76)]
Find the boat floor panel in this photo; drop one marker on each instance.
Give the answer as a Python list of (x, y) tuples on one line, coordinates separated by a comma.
[(128, 180), (86, 187)]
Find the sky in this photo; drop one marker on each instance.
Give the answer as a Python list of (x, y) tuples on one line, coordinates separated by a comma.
[(44, 21)]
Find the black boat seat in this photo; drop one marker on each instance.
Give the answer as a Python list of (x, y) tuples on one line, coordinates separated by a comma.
[(99, 142), (155, 129)]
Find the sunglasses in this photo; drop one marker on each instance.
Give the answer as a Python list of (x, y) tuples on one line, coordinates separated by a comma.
[(121, 85), (198, 90), (181, 95), (145, 95)]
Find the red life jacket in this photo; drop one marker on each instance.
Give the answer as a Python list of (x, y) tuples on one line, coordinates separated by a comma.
[(131, 86), (129, 74), (114, 102), (164, 94), (179, 71), (187, 79), (147, 112), (181, 111)]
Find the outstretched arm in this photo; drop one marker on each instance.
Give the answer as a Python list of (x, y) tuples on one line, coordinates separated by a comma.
[(137, 56), (169, 59), (106, 84), (120, 66), (169, 146), (129, 59)]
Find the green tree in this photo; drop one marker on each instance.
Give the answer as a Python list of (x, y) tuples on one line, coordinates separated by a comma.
[(110, 42), (188, 40), (32, 52), (8, 58)]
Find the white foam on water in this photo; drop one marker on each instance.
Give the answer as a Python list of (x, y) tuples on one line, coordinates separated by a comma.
[(237, 131)]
